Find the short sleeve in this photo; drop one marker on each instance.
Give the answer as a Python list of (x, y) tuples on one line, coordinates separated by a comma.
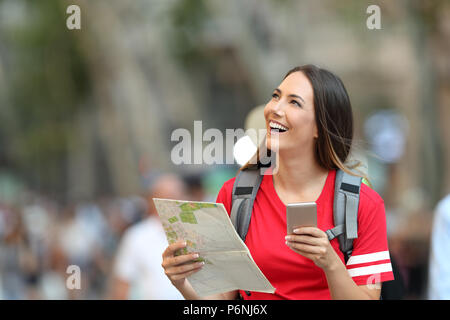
[(224, 195), (370, 260)]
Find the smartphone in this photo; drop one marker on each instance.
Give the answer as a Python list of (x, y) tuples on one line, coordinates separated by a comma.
[(300, 214)]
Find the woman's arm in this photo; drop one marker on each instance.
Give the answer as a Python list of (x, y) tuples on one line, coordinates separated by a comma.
[(313, 243), (342, 286)]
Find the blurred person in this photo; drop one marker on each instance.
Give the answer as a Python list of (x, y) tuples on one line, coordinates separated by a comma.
[(19, 264), (121, 214), (13, 284), (137, 272), (90, 216), (53, 279), (309, 124), (439, 268), (195, 188), (80, 236)]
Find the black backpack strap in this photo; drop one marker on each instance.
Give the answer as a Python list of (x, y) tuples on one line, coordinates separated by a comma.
[(244, 193)]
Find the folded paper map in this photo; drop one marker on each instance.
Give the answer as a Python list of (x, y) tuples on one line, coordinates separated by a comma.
[(207, 229)]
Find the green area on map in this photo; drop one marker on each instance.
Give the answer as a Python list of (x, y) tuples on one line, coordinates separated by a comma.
[(192, 206), (173, 219), (188, 217), (172, 235), (181, 251)]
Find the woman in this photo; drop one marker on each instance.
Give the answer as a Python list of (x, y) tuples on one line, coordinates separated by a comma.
[(310, 125)]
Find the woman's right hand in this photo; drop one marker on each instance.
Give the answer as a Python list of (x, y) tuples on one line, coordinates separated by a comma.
[(177, 268)]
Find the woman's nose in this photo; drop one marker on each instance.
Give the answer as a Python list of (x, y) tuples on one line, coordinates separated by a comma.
[(278, 108)]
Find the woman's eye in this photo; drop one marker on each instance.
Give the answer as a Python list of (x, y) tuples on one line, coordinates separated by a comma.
[(296, 103), (274, 95)]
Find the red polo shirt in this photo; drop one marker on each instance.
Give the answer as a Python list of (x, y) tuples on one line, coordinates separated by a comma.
[(294, 276)]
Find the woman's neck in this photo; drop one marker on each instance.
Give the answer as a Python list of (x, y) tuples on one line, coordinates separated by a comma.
[(299, 174)]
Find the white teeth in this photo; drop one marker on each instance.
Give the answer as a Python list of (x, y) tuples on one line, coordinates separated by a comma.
[(275, 125)]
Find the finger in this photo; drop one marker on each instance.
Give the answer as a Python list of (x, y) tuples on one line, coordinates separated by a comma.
[(312, 231), (184, 268), (170, 250), (305, 254), (305, 247), (305, 239), (186, 274), (175, 261)]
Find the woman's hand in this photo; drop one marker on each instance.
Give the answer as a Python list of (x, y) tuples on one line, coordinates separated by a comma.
[(177, 268), (313, 244)]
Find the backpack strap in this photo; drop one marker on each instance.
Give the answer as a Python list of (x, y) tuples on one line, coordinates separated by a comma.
[(345, 211), (244, 193), (345, 206)]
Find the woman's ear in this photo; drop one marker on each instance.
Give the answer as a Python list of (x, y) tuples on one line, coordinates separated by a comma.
[(316, 133)]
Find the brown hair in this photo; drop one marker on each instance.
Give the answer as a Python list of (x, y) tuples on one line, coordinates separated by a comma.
[(334, 120)]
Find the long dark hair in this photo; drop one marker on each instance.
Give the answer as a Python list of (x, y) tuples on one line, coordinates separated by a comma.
[(334, 120)]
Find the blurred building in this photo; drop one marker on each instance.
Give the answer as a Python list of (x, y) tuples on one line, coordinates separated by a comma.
[(86, 113)]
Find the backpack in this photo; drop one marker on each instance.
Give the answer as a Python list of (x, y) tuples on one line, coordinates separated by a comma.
[(345, 209)]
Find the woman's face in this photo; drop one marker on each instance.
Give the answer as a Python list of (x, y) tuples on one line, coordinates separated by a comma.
[(292, 107)]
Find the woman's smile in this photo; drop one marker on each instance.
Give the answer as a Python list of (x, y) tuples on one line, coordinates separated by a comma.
[(277, 128)]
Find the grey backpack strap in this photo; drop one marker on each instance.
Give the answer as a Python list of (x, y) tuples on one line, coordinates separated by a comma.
[(244, 193), (345, 211)]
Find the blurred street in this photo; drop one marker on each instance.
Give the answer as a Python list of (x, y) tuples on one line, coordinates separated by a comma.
[(87, 118)]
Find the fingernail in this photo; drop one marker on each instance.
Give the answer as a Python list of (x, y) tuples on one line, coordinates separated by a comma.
[(287, 238), (195, 255), (296, 230)]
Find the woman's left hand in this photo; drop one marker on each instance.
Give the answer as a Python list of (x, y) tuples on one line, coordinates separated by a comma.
[(313, 243)]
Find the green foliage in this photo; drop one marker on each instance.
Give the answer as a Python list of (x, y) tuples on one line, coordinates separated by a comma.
[(47, 85), (188, 17)]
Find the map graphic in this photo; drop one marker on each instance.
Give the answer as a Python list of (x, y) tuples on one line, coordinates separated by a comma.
[(207, 230)]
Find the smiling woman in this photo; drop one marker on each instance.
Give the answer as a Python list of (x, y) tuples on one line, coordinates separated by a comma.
[(317, 101), (309, 126)]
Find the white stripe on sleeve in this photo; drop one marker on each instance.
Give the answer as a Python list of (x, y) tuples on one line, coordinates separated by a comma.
[(363, 271), (370, 257)]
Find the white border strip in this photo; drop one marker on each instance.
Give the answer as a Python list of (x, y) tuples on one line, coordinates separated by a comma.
[(370, 257), (363, 271)]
